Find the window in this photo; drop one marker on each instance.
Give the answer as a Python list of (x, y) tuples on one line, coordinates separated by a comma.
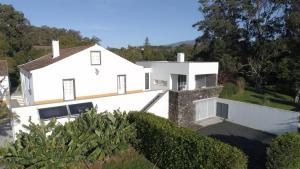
[(147, 80), (95, 57), (208, 80), (160, 82), (182, 82)]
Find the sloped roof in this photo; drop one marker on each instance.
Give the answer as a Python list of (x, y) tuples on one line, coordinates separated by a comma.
[(3, 68), (48, 59)]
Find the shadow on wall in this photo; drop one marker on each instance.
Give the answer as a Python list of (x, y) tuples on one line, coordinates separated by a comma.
[(5, 129), (255, 150)]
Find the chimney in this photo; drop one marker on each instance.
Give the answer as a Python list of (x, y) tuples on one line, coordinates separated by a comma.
[(55, 48), (180, 57)]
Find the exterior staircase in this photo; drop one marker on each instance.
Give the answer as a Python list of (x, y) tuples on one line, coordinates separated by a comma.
[(17, 101), (153, 101)]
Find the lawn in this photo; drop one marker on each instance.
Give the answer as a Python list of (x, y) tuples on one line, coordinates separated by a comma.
[(267, 98)]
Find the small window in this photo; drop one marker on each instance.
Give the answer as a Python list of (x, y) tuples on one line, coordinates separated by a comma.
[(147, 81), (160, 82), (95, 58)]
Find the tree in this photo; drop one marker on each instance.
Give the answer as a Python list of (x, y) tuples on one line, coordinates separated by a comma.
[(147, 43), (15, 27), (244, 36)]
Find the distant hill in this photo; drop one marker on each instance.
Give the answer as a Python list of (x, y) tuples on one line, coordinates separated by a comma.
[(187, 42)]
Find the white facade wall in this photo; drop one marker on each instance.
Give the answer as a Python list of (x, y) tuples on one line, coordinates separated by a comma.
[(272, 120), (161, 107), (127, 102), (162, 70), (90, 80), (4, 89)]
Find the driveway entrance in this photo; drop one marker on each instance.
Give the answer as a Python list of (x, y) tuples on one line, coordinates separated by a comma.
[(252, 142)]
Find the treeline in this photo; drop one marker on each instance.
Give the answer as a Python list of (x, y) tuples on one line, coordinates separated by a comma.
[(258, 40), (21, 42), (155, 53)]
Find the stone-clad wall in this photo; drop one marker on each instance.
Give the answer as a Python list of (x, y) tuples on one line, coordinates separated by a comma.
[(181, 107)]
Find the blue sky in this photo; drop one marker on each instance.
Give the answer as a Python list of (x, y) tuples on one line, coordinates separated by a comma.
[(117, 23)]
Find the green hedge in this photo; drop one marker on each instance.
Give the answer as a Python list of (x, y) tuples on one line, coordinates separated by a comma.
[(229, 89), (284, 152), (170, 146)]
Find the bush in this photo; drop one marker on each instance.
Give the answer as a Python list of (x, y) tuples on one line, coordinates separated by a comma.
[(169, 146), (90, 137), (229, 89), (241, 84), (284, 152)]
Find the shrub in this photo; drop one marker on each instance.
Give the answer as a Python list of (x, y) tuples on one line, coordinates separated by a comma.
[(284, 152), (170, 146), (90, 137), (229, 89), (241, 84)]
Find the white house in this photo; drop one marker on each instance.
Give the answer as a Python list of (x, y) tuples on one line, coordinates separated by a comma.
[(62, 83), (180, 75), (88, 72), (79, 73), (4, 81), (65, 82)]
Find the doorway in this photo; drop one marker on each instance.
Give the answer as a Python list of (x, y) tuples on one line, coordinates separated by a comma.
[(69, 89), (121, 84)]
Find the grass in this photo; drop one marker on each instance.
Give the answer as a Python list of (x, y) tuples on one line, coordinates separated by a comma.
[(127, 160), (267, 98)]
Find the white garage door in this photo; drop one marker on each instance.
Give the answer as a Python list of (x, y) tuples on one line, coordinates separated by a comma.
[(205, 109)]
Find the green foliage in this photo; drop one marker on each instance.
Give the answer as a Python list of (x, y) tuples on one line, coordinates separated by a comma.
[(264, 48), (42, 36), (14, 26), (229, 89), (170, 146), (284, 152), (266, 97), (129, 160), (241, 84), (90, 137), (6, 115)]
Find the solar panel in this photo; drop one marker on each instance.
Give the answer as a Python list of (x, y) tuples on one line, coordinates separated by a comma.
[(48, 113), (80, 108)]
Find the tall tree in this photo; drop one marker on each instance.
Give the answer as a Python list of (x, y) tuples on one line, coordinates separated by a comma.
[(15, 26), (147, 42), (242, 36)]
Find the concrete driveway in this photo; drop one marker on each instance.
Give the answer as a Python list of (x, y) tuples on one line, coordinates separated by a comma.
[(252, 142)]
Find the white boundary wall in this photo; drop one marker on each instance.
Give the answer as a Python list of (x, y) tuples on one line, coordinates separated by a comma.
[(127, 102), (161, 107), (272, 120)]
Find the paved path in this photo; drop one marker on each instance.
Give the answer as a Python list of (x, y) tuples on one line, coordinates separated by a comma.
[(252, 142)]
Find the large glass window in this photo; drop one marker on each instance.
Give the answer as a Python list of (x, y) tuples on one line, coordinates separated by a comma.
[(207, 80)]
